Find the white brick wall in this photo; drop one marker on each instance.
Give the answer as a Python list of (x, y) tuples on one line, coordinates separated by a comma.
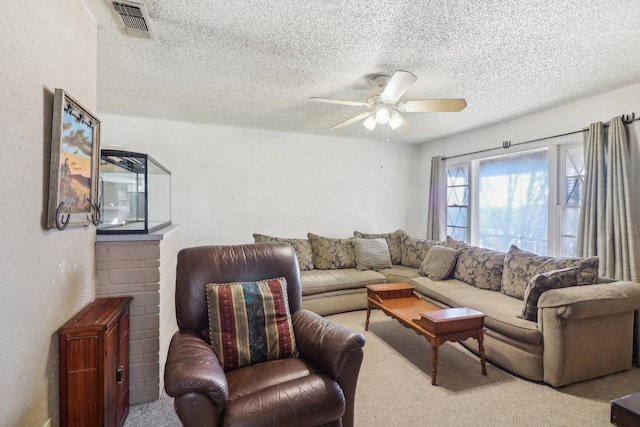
[(167, 304), (145, 270)]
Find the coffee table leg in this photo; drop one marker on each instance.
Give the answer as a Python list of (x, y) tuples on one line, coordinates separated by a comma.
[(434, 363), (481, 351), (366, 324)]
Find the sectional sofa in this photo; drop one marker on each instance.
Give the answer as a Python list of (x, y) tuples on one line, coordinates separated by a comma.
[(548, 319)]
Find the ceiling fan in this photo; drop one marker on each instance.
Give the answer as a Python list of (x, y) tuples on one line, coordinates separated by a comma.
[(385, 107)]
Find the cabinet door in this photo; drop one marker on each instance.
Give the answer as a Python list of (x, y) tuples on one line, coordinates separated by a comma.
[(91, 388), (122, 385), (81, 395), (110, 373)]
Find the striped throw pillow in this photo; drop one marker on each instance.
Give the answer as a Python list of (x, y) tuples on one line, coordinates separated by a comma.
[(250, 322)]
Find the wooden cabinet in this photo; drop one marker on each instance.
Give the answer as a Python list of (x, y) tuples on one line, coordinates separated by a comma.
[(94, 365)]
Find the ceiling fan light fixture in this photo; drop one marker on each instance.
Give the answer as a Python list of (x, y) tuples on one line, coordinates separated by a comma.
[(386, 107), (395, 120), (382, 115), (370, 122)]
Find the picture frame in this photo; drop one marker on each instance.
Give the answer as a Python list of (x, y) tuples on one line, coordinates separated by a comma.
[(73, 171)]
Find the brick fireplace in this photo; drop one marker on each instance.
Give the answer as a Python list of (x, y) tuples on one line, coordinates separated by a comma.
[(144, 267)]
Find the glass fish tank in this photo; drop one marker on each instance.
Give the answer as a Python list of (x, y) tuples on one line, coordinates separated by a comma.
[(134, 193)]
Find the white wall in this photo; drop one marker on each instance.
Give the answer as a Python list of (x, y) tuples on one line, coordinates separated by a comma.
[(228, 183), (47, 276), (554, 121)]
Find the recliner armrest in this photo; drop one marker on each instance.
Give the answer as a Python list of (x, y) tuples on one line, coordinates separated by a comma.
[(327, 344), (193, 367)]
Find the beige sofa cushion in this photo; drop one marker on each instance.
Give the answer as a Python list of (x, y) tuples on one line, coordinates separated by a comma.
[(301, 246), (330, 253), (520, 267), (394, 242), (501, 310), (319, 281), (399, 273)]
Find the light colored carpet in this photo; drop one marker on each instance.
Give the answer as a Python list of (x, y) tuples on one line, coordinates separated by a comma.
[(394, 388)]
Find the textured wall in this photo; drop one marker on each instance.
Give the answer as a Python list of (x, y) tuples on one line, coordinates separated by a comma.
[(47, 275)]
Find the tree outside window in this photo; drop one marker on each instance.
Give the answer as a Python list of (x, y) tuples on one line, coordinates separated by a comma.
[(498, 201), (513, 201)]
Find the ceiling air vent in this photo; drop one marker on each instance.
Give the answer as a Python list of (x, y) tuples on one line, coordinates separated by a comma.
[(132, 18)]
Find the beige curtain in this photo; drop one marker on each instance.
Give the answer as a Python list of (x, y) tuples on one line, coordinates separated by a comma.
[(606, 228), (437, 215)]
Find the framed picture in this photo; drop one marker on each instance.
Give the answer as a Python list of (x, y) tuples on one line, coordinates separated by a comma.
[(75, 151)]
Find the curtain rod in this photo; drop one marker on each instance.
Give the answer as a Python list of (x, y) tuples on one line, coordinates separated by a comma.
[(626, 119)]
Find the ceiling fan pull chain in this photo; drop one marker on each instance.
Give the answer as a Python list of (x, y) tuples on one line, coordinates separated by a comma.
[(384, 129)]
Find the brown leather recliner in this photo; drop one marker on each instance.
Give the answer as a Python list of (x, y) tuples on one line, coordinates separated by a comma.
[(317, 388)]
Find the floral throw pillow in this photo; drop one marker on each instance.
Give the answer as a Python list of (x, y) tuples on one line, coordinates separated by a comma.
[(414, 250), (301, 246), (330, 253), (480, 267), (458, 245), (520, 267), (540, 283), (587, 267)]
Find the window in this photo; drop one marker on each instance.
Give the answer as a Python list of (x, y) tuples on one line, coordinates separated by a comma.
[(498, 201), (458, 201), (572, 167), (513, 201)]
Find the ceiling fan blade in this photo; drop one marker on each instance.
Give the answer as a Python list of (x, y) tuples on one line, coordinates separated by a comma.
[(339, 101), (433, 105), (351, 120), (397, 86)]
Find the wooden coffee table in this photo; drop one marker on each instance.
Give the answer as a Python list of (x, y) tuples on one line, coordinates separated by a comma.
[(399, 301)]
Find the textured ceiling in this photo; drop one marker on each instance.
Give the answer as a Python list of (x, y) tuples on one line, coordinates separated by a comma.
[(255, 63)]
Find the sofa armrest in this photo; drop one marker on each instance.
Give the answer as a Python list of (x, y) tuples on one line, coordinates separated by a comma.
[(328, 345), (588, 300), (588, 331), (193, 367)]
